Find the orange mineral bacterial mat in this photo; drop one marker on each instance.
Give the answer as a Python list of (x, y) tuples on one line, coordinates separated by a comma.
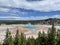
[(22, 29)]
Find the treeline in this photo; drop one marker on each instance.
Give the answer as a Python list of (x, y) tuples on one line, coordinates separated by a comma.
[(45, 21), (21, 22), (51, 38)]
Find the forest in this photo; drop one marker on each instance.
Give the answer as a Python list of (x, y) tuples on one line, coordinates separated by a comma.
[(44, 21)]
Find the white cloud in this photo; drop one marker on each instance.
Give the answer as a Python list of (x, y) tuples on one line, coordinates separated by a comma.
[(41, 17), (4, 9), (46, 17), (45, 5), (28, 18)]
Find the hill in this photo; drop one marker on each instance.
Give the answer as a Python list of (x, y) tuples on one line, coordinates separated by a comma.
[(45, 21)]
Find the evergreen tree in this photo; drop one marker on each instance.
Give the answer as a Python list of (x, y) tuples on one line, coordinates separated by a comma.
[(38, 40), (8, 39), (23, 39), (28, 41), (49, 37), (43, 39), (52, 36), (17, 38), (58, 38), (31, 41)]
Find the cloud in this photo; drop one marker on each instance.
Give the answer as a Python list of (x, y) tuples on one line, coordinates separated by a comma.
[(15, 14), (4, 9), (45, 5), (33, 0), (46, 17), (41, 17), (28, 18)]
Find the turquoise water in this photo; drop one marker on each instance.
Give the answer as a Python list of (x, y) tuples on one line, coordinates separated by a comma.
[(29, 27)]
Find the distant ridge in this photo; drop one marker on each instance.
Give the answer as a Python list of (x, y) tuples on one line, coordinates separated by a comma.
[(44, 21)]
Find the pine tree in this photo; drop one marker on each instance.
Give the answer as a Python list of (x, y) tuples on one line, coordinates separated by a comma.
[(23, 39), (58, 38), (8, 39), (31, 41), (52, 36), (49, 37), (38, 40), (28, 41), (17, 38), (43, 39)]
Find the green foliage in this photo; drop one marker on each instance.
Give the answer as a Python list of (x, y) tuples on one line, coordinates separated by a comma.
[(8, 39), (23, 39), (43, 39), (52, 36), (58, 38), (31, 41), (17, 38), (38, 40)]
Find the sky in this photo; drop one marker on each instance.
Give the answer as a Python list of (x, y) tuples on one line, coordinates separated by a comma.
[(29, 9)]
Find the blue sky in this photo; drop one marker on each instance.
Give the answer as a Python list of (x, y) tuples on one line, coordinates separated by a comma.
[(29, 9)]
